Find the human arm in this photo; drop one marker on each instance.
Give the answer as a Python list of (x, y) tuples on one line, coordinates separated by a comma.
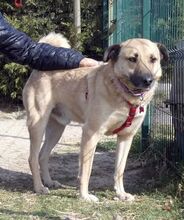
[(20, 48)]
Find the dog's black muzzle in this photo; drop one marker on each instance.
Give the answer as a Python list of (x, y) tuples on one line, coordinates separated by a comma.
[(141, 80)]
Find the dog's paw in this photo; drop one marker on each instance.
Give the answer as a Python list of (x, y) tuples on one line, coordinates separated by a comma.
[(89, 198), (53, 184), (125, 197), (42, 190)]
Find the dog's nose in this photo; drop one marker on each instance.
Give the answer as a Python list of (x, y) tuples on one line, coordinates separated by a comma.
[(147, 81)]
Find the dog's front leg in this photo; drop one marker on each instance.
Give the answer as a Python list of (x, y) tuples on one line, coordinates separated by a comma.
[(122, 151), (88, 146)]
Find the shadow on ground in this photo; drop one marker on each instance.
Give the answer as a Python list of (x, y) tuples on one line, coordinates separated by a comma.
[(64, 168)]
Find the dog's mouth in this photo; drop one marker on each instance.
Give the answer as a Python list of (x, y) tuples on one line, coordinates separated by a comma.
[(140, 91), (129, 88)]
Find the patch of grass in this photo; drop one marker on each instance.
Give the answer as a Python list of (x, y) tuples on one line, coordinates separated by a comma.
[(106, 145), (109, 144), (64, 204)]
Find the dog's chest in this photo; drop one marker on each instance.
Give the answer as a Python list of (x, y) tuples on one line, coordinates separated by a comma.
[(122, 121)]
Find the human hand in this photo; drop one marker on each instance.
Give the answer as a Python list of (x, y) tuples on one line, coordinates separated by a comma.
[(88, 62)]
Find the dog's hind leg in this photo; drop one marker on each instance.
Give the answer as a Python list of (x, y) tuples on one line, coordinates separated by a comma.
[(36, 125), (53, 133), (36, 134)]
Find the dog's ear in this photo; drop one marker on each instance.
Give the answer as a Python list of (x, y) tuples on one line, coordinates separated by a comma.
[(163, 51), (112, 53)]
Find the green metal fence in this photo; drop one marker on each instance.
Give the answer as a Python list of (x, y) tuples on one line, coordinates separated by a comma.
[(126, 16), (161, 21), (167, 128)]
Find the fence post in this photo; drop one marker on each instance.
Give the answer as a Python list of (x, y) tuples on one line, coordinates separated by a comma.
[(114, 3), (77, 20), (105, 23), (146, 33)]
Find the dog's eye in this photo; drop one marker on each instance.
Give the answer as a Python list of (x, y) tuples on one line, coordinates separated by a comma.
[(153, 59), (132, 59)]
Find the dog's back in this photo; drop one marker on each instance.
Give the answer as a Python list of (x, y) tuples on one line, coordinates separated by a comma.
[(40, 86), (57, 40)]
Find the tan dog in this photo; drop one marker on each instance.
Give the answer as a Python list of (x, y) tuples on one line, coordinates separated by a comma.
[(109, 99)]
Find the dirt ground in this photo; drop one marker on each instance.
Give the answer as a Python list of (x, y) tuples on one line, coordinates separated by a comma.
[(14, 151)]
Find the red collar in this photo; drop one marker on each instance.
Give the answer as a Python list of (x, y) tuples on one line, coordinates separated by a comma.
[(132, 113)]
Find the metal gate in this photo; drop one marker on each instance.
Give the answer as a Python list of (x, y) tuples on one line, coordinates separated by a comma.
[(161, 21)]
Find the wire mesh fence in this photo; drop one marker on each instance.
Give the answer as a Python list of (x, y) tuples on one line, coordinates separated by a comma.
[(168, 106)]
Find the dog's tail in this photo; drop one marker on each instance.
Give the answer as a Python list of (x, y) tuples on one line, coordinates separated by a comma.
[(57, 40)]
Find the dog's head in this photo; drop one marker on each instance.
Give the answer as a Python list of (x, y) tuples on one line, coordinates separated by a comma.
[(136, 63)]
